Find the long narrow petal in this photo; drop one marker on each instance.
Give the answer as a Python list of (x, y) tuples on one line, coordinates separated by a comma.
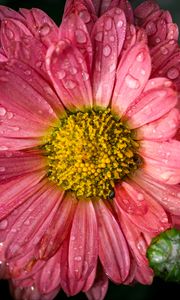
[(113, 251), (147, 110), (17, 191), (69, 74), (58, 228), (132, 75), (168, 196), (74, 29), (83, 246), (161, 129), (108, 37), (15, 164)]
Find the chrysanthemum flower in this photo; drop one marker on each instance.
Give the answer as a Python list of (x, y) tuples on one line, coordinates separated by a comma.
[(89, 166)]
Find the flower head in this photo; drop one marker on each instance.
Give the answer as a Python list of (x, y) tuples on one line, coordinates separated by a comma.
[(89, 162)]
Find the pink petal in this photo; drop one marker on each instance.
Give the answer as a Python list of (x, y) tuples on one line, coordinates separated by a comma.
[(15, 164), (84, 9), (168, 196), (17, 191), (163, 152), (74, 88), (161, 171), (18, 42), (101, 6), (155, 218), (26, 114), (113, 251), (89, 281), (37, 83), (70, 285), (48, 279), (147, 109), (108, 37), (74, 29), (138, 247), (100, 286), (161, 55), (126, 7), (145, 9), (132, 74), (41, 25), (83, 246), (58, 228), (6, 12), (161, 129), (130, 200), (33, 223)]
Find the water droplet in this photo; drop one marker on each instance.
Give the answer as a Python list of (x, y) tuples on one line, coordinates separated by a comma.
[(80, 36), (143, 72), (39, 64), (140, 57), (173, 73), (150, 28), (132, 82), (73, 238), (2, 169), (112, 38), (166, 175), (108, 23), (118, 11), (10, 115), (2, 111), (70, 84), (164, 50), (85, 76), (3, 224), (27, 72), (107, 50), (112, 67), (2, 148), (78, 258), (61, 74), (27, 222), (140, 197), (9, 33), (44, 30), (85, 16), (73, 71), (120, 24), (99, 36), (15, 128), (157, 40)]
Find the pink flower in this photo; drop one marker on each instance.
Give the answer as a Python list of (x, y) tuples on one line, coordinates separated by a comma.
[(89, 163)]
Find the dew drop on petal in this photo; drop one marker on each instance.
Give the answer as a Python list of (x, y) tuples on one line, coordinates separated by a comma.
[(118, 11), (85, 16), (10, 115), (173, 73), (73, 71), (99, 36), (85, 76), (107, 50), (70, 84), (2, 169), (2, 111), (132, 82), (120, 24), (78, 258), (140, 57), (27, 72), (140, 197), (158, 40), (150, 28), (80, 36), (3, 224), (112, 67), (108, 24), (164, 50), (112, 38), (44, 30), (2, 148), (61, 74), (9, 34)]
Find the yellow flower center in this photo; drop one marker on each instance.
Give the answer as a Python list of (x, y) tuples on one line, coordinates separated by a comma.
[(88, 152)]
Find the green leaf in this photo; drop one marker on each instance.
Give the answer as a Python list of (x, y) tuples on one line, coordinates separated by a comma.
[(164, 255)]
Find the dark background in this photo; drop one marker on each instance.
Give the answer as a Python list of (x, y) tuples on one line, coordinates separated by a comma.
[(158, 289)]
